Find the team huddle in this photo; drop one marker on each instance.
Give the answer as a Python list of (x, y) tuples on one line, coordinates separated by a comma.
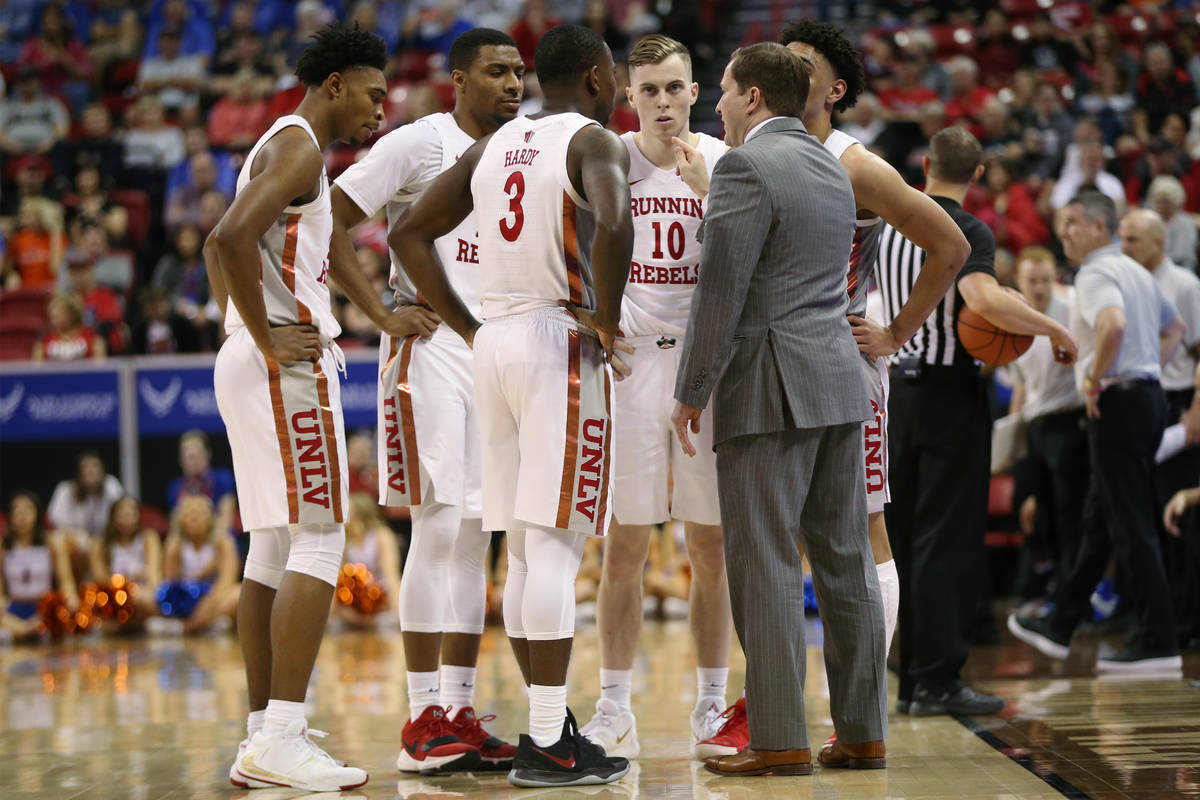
[(544, 270)]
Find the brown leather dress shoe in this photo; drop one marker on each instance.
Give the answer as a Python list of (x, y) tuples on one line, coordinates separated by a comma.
[(762, 762), (862, 755)]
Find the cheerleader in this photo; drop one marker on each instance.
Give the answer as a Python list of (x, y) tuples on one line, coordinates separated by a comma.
[(200, 581), (132, 553), (372, 544), (33, 562)]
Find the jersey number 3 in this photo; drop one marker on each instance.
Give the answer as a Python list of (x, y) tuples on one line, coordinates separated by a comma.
[(514, 187)]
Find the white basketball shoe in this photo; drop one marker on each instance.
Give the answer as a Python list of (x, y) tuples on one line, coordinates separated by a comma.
[(613, 729), (706, 723), (291, 758)]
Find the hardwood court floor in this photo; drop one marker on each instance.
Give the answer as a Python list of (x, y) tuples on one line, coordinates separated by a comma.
[(143, 719)]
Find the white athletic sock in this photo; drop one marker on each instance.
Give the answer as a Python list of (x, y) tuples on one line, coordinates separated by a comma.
[(889, 587), (254, 722), (422, 692), (710, 685), (458, 687), (280, 714), (617, 685), (547, 713)]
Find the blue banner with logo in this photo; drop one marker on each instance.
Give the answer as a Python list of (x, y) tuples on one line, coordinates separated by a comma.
[(48, 405), (176, 399)]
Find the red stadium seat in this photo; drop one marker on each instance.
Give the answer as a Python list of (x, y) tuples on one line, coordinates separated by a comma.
[(137, 205), (25, 304), (1000, 495), (156, 519), (18, 335), (122, 74)]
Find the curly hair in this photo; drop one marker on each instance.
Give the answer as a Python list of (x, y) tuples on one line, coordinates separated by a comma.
[(337, 48), (833, 44)]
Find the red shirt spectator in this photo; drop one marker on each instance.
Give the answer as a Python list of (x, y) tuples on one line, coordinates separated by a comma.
[(1008, 210), (68, 338), (236, 123), (37, 247), (58, 56)]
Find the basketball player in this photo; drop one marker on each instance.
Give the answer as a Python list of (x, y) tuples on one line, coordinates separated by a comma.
[(429, 446), (277, 389), (836, 75), (551, 200), (647, 459)]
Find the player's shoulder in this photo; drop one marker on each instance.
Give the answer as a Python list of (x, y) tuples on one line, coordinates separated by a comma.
[(710, 147), (425, 133)]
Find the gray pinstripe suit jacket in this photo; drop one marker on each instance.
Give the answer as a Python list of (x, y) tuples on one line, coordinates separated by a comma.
[(768, 321)]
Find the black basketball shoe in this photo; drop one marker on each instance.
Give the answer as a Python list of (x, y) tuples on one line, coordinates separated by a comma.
[(573, 760)]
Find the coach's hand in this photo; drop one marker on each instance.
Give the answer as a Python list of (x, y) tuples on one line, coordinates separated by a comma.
[(680, 417), (411, 320), (873, 339), (690, 166), (1066, 349), (295, 343)]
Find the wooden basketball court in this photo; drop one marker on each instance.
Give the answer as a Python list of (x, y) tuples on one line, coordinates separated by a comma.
[(157, 718)]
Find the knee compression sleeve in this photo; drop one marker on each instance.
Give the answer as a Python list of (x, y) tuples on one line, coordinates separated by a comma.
[(514, 585), (468, 582), (268, 556), (552, 558), (316, 550), (426, 582)]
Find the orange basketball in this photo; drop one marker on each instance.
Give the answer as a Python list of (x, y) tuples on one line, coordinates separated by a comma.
[(986, 342)]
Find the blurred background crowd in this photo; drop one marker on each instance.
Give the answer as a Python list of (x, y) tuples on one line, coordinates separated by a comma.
[(123, 127)]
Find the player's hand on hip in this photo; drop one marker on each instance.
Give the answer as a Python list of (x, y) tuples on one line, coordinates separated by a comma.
[(608, 335), (873, 339), (295, 343), (684, 417), (411, 320), (690, 166), (1066, 349), (620, 365)]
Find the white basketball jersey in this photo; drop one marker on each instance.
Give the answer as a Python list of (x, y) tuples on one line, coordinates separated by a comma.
[(28, 572), (394, 174), (293, 253), (666, 255), (535, 231), (864, 249)]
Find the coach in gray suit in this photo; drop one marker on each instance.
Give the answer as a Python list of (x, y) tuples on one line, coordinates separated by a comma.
[(768, 329)]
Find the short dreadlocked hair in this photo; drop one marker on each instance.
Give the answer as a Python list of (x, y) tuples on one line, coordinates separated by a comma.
[(841, 55), (337, 48)]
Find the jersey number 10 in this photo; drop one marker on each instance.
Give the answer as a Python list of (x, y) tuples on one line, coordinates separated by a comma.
[(675, 240), (514, 187)]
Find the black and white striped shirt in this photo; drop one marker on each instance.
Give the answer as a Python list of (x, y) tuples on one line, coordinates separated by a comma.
[(896, 270)]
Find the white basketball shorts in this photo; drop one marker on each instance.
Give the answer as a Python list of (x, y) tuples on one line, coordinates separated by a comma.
[(647, 457), (428, 441), (286, 432), (875, 442), (543, 395)]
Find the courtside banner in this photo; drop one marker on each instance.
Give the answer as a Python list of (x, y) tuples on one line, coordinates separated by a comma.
[(47, 404), (172, 399)]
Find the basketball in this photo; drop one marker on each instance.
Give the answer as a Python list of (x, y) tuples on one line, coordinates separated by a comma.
[(986, 342)]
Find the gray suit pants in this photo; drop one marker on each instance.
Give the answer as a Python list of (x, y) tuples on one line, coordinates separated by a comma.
[(774, 488)]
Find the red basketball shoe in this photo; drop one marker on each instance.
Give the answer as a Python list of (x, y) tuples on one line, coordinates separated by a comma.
[(430, 744), (495, 753)]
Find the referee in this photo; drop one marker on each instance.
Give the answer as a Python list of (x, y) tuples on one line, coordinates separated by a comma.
[(940, 440)]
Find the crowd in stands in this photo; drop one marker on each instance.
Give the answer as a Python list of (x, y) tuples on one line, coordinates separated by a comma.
[(123, 127)]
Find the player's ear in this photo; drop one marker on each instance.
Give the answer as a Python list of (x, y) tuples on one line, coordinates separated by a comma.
[(695, 91), (592, 81), (629, 94), (459, 78), (335, 85), (837, 91)]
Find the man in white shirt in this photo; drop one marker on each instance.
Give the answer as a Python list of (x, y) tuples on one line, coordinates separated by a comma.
[(1143, 238)]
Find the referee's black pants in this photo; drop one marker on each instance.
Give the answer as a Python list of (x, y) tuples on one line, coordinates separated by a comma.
[(939, 437), (1057, 469), (1120, 515), (1181, 554)]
